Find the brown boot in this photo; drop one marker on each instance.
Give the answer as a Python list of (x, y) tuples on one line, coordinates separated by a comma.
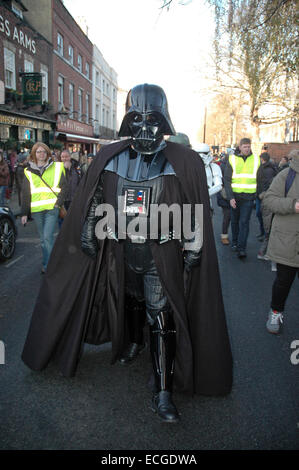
[(224, 239)]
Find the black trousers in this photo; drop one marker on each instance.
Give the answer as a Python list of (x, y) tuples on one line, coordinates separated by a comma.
[(281, 287), (225, 220)]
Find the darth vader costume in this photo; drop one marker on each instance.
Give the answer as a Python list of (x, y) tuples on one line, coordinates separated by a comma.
[(107, 277)]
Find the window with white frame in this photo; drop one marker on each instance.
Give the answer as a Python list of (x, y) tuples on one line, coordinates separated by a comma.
[(103, 117), (71, 54), (44, 72), (97, 78), (80, 62), (10, 68), (60, 91), (71, 100), (87, 69), (28, 66), (98, 112), (59, 44), (79, 104), (87, 107)]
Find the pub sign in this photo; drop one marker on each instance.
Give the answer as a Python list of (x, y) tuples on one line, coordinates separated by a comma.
[(32, 88)]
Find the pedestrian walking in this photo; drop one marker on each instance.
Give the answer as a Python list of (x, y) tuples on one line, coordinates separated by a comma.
[(213, 171), (4, 178), (19, 173), (282, 199), (124, 276), (265, 174), (240, 186), (284, 163), (225, 206), (73, 177), (43, 192)]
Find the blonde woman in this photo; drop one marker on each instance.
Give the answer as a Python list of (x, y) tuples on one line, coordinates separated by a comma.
[(43, 192)]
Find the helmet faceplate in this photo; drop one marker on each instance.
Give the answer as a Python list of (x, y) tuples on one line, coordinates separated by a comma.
[(147, 119)]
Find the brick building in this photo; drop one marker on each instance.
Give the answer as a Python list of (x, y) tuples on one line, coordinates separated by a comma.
[(72, 73), (23, 49)]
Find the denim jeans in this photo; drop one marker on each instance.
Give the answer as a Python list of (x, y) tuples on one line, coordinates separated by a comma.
[(240, 218), (2, 195), (46, 223)]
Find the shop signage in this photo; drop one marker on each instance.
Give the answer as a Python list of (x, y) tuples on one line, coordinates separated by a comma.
[(32, 88), (19, 121), (75, 127), (17, 35)]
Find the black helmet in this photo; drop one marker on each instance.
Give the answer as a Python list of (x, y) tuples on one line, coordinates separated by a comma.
[(147, 119)]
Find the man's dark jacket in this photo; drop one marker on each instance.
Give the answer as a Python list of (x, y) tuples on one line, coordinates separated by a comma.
[(82, 299), (265, 174)]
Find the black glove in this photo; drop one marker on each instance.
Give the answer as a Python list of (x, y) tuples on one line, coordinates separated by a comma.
[(191, 259)]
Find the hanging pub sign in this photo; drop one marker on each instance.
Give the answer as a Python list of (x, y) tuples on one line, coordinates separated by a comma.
[(32, 88)]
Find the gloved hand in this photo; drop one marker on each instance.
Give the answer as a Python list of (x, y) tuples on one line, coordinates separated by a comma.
[(191, 259)]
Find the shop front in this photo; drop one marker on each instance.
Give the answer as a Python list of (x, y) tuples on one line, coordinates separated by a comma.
[(21, 130), (76, 136)]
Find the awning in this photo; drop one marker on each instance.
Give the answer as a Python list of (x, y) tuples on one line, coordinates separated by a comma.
[(78, 138)]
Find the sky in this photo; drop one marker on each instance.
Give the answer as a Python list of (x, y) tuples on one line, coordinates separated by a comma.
[(144, 43)]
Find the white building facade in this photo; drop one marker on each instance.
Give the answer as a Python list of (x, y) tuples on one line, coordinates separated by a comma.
[(104, 98)]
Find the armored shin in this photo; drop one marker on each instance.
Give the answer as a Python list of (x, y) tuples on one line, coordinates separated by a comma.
[(162, 346)]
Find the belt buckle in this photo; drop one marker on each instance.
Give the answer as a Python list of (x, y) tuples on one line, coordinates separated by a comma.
[(137, 239)]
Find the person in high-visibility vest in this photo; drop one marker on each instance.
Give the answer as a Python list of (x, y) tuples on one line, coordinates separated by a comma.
[(240, 186), (43, 198)]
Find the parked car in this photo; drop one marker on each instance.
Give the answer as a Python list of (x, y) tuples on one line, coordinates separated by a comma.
[(8, 233)]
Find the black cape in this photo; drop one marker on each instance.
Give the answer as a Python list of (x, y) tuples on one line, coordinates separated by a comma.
[(81, 299)]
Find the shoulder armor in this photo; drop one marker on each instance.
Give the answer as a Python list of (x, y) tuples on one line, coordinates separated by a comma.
[(141, 169)]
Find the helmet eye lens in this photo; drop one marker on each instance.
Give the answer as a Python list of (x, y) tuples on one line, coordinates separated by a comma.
[(137, 118), (153, 119)]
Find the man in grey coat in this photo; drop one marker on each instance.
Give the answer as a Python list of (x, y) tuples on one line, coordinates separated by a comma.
[(282, 199)]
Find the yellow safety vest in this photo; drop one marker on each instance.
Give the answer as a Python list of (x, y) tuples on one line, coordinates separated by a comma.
[(244, 173), (42, 198)]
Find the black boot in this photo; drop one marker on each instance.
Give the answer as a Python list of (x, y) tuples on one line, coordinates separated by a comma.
[(162, 345), (135, 316)]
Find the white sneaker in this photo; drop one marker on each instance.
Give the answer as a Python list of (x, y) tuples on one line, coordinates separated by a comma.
[(274, 321)]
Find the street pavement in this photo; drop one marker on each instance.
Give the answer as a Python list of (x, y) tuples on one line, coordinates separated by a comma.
[(106, 407)]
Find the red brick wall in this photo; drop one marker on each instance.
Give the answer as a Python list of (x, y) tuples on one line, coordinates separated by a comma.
[(15, 31), (279, 150), (72, 34)]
